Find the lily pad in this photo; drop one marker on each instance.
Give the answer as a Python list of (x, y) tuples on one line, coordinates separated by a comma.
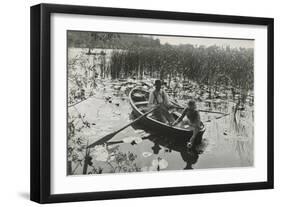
[(100, 153), (127, 140), (146, 154), (136, 140), (160, 163), (139, 131)]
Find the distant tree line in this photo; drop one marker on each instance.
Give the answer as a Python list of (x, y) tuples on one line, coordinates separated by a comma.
[(83, 39)]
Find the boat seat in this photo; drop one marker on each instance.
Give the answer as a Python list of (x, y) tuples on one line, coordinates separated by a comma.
[(141, 103)]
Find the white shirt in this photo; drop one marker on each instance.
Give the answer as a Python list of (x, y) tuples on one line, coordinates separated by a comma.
[(156, 97)]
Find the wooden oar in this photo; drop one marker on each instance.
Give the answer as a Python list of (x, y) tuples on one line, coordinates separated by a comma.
[(219, 117), (109, 136), (213, 112)]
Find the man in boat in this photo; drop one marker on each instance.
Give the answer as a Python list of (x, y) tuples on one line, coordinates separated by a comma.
[(158, 97), (193, 120)]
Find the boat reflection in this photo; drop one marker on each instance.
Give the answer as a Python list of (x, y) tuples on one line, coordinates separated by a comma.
[(189, 155)]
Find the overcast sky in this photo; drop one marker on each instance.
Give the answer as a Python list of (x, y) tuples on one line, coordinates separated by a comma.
[(233, 43)]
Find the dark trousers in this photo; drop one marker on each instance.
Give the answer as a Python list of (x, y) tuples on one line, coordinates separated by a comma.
[(162, 114)]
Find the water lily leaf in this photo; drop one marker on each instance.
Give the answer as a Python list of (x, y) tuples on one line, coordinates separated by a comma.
[(100, 153), (146, 154), (138, 140), (111, 158), (127, 140), (155, 162), (145, 135), (160, 163), (139, 131), (112, 148), (80, 155)]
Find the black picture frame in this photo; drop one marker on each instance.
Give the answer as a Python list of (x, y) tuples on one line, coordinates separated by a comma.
[(41, 102)]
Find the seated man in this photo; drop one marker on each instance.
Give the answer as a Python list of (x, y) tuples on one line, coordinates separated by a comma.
[(158, 97), (193, 120)]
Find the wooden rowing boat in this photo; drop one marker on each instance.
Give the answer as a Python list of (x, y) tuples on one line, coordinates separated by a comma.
[(139, 100)]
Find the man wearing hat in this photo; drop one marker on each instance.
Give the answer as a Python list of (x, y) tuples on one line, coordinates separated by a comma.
[(158, 97)]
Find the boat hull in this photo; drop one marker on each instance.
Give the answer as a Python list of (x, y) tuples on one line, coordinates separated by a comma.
[(158, 127)]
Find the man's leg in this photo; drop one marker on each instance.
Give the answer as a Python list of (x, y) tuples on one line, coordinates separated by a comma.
[(166, 115), (163, 115), (158, 114)]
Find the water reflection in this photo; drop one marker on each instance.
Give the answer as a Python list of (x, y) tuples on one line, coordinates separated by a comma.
[(189, 155), (227, 142), (171, 145)]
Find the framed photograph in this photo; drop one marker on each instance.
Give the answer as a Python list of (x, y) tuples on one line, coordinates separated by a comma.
[(132, 103)]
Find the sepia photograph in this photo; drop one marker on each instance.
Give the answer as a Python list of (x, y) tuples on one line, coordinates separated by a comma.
[(153, 103)]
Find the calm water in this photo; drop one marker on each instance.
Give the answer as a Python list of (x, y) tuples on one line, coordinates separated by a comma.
[(226, 143)]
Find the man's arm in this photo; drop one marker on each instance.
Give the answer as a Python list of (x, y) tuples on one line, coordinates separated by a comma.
[(198, 121), (166, 99), (151, 99)]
